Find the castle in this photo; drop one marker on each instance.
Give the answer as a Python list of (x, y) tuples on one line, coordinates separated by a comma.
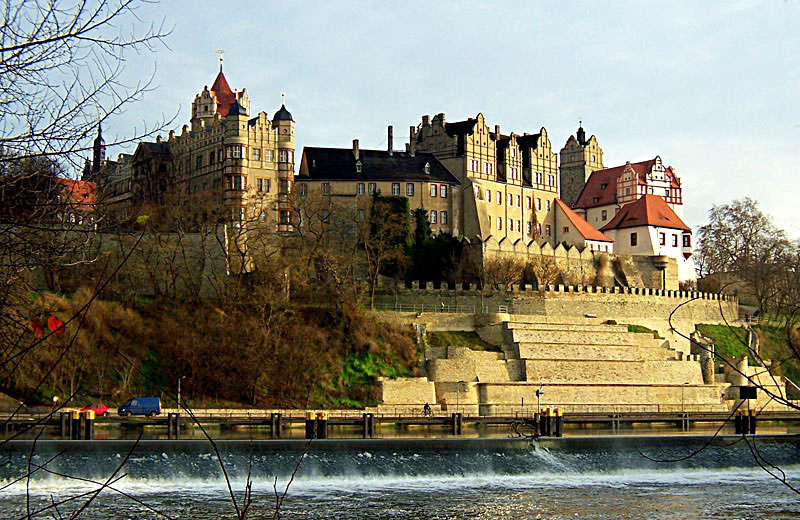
[(505, 192)]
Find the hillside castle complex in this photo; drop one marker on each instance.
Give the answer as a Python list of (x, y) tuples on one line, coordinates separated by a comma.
[(509, 193)]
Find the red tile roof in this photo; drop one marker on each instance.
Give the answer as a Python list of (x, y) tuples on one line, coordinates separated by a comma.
[(225, 96), (79, 193), (649, 210), (586, 230), (609, 176)]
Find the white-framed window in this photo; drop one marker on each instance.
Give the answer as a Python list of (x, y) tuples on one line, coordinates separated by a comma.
[(538, 177), (528, 202), (674, 240), (551, 180), (256, 154), (499, 223), (514, 173), (284, 156), (262, 185), (433, 190), (372, 188), (360, 188), (486, 167), (326, 188), (443, 191), (267, 155), (395, 188), (303, 189), (410, 189), (238, 182), (443, 217), (519, 201), (433, 216)]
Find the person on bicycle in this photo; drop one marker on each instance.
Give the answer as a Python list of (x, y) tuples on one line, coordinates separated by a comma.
[(426, 410)]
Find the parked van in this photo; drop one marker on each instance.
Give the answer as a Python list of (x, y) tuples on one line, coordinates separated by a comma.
[(149, 406)]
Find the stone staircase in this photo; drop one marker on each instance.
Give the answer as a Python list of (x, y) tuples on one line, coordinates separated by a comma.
[(580, 364)]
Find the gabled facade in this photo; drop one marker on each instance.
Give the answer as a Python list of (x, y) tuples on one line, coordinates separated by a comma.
[(573, 230), (608, 190)]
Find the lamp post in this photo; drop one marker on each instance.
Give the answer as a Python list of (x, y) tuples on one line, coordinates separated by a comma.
[(682, 402), (539, 394), (458, 395), (179, 391)]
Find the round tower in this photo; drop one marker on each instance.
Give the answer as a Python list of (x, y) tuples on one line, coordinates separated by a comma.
[(283, 123)]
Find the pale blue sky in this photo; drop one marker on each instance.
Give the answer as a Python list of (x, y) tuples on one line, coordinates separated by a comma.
[(713, 88)]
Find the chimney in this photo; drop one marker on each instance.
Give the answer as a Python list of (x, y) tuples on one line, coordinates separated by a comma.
[(426, 120), (355, 148), (391, 149), (412, 140), (497, 131)]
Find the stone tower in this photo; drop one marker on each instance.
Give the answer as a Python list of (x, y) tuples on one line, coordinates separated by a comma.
[(283, 123), (579, 158), (99, 152)]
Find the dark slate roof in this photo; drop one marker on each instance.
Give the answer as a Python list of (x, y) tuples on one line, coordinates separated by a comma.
[(282, 115), (156, 148), (376, 165), (528, 141), (236, 109), (460, 127)]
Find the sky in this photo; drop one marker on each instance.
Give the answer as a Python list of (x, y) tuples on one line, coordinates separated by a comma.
[(711, 87)]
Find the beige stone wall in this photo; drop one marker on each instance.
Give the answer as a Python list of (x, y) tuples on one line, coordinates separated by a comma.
[(613, 371), (408, 391), (610, 352)]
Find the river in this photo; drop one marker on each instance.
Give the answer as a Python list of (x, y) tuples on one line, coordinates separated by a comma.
[(589, 478)]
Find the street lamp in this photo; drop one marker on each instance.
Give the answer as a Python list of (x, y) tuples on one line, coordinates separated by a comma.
[(682, 402), (458, 394), (179, 391), (539, 394)]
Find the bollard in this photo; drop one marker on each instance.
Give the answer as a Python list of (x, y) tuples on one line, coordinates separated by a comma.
[(322, 425), (275, 425), (546, 423), (752, 423), (88, 425), (64, 424), (372, 425), (365, 424), (457, 423), (559, 429), (75, 426), (177, 425), (311, 425), (169, 425), (737, 423)]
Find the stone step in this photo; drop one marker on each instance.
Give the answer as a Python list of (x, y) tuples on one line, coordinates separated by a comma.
[(588, 327), (498, 398), (613, 372), (593, 352), (592, 338), (465, 369)]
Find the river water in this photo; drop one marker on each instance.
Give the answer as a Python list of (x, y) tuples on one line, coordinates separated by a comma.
[(590, 479)]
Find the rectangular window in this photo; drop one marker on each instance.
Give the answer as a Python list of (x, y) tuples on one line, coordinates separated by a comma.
[(433, 217), (634, 239), (486, 168), (256, 154), (546, 229), (410, 189), (433, 190), (530, 227), (551, 180), (519, 201), (519, 226), (674, 240), (443, 217), (229, 183), (662, 239), (325, 215), (326, 188), (499, 223), (259, 185), (548, 205), (283, 156), (267, 155), (528, 202), (360, 188), (443, 191), (284, 186), (687, 240), (237, 182), (372, 188), (539, 204), (395, 188), (219, 155), (510, 225), (510, 199), (489, 195), (303, 189), (499, 198), (211, 157), (566, 229), (478, 192), (199, 162), (490, 169), (285, 217), (360, 215), (604, 215), (538, 177)]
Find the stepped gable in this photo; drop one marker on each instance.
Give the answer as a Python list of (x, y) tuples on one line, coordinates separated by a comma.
[(222, 91), (649, 210), (376, 165), (595, 194), (586, 230)]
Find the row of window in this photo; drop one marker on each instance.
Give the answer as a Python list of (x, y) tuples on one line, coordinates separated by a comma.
[(662, 240), (439, 190), (238, 151), (513, 200), (517, 225), (441, 216)]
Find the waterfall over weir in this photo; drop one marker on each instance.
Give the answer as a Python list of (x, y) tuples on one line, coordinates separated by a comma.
[(498, 478)]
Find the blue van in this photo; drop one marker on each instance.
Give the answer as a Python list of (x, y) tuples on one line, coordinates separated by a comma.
[(149, 406)]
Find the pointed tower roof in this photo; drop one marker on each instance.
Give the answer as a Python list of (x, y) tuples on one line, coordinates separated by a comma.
[(225, 96)]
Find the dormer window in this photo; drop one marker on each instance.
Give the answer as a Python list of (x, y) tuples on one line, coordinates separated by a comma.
[(358, 166), (596, 199), (427, 168), (603, 186)]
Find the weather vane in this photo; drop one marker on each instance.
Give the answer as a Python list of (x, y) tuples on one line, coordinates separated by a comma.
[(283, 98), (221, 57)]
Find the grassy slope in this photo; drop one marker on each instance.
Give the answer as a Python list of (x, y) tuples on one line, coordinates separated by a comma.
[(460, 339), (729, 342)]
